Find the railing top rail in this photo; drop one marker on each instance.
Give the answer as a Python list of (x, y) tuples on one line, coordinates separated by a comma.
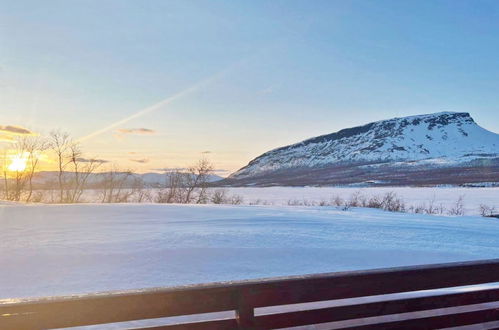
[(489, 269)]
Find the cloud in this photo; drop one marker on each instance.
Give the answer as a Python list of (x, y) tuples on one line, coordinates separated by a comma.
[(88, 160), (164, 103), (268, 90), (141, 160), (15, 130), (136, 131), (206, 152), (6, 138)]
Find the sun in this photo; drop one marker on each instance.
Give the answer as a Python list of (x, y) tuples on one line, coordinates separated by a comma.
[(18, 163)]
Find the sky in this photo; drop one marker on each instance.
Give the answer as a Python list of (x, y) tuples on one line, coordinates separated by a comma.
[(159, 84)]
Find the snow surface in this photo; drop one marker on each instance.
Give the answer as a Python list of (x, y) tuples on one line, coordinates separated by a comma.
[(72, 249)]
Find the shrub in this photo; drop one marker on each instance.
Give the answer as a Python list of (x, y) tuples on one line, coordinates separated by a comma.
[(219, 197), (486, 211), (338, 201), (458, 207), (236, 199)]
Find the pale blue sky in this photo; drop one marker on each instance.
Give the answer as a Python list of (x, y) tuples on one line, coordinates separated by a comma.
[(258, 74)]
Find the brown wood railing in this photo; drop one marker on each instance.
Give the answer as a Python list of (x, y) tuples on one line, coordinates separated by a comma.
[(244, 296)]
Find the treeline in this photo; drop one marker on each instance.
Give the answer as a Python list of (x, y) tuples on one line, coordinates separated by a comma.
[(77, 174), (391, 202)]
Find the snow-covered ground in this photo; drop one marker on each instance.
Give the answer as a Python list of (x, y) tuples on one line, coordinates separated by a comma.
[(412, 196), (69, 249)]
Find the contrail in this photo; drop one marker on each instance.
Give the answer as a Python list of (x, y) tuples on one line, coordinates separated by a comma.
[(160, 104)]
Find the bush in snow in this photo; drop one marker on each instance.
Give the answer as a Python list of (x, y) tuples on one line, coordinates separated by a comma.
[(458, 207), (219, 196), (338, 201), (486, 211)]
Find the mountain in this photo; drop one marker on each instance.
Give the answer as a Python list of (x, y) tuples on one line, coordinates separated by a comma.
[(439, 148), (150, 179)]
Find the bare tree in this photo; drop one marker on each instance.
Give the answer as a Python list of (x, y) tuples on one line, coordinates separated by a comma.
[(113, 185), (197, 179), (20, 171), (35, 146), (186, 187), (5, 177), (140, 192), (174, 188), (81, 169), (60, 143)]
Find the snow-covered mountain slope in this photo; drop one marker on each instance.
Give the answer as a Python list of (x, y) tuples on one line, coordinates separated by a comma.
[(440, 140)]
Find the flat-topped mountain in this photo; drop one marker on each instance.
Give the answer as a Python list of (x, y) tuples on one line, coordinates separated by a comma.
[(448, 144)]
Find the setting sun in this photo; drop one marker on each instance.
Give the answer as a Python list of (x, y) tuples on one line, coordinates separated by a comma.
[(18, 163)]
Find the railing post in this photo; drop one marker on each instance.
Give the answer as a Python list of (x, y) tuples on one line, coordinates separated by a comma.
[(245, 313)]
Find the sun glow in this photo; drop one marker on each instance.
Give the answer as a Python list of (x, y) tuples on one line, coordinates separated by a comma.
[(18, 163)]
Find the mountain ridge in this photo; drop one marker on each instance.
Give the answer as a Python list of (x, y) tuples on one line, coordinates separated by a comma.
[(437, 140)]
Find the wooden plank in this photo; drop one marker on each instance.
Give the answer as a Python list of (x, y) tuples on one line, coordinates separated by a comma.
[(373, 282), (358, 311), (98, 309), (245, 313), (436, 322), (229, 324)]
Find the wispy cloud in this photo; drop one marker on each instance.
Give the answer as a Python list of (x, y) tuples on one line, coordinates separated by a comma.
[(136, 131), (15, 130), (140, 160), (268, 90), (6, 138), (164, 103), (206, 152)]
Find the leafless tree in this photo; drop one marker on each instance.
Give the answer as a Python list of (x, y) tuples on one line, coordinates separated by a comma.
[(60, 144), (81, 170), (197, 179), (188, 186), (35, 146), (140, 191), (174, 188), (5, 176), (113, 185), (20, 175)]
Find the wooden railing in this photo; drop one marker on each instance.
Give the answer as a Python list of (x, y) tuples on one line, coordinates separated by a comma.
[(244, 297)]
